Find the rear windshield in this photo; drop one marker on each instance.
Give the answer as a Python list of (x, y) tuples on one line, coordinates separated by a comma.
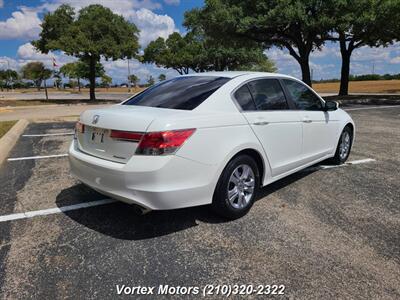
[(186, 92)]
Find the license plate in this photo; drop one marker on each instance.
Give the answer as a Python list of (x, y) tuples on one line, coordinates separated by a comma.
[(98, 135)]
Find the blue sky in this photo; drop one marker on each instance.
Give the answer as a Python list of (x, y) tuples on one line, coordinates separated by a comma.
[(20, 23)]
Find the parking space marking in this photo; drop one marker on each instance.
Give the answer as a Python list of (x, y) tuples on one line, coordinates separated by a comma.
[(36, 157), (48, 134), (354, 162), (55, 210), (373, 107)]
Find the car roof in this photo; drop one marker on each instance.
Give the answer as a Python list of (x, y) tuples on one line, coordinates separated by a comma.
[(233, 74)]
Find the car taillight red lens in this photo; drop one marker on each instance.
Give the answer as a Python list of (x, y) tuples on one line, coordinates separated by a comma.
[(164, 142), (79, 127), (126, 135)]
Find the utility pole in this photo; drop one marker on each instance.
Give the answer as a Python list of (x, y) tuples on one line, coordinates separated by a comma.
[(129, 79)]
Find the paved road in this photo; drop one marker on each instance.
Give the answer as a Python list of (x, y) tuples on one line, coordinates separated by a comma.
[(62, 96), (327, 234), (44, 111)]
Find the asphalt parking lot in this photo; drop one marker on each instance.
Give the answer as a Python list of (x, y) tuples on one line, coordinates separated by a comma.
[(323, 233)]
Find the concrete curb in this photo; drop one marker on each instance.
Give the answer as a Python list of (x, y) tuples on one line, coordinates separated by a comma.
[(8, 140)]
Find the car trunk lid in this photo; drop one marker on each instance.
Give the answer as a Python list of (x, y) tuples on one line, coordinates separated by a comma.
[(100, 125)]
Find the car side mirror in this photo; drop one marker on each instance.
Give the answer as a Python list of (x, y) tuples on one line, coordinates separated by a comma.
[(331, 105)]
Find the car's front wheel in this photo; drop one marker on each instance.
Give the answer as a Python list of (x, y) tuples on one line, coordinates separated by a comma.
[(344, 146), (237, 187)]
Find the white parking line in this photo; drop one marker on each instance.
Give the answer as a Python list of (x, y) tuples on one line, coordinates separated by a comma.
[(55, 210), (36, 157), (48, 134), (354, 162), (373, 107)]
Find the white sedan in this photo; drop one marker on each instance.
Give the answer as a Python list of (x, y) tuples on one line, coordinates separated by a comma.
[(208, 138)]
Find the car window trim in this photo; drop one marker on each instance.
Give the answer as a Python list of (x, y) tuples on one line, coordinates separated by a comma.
[(257, 110)]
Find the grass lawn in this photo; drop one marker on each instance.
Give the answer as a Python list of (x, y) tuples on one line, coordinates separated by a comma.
[(5, 126), (378, 86)]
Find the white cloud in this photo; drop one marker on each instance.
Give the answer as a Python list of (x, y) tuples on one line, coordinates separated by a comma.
[(23, 24), (172, 2), (27, 53), (371, 54), (151, 25), (119, 7), (325, 51), (395, 60), (118, 70), (8, 62)]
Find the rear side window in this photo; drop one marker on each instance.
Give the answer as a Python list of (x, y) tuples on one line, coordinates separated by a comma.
[(268, 94), (302, 96), (244, 98), (185, 92)]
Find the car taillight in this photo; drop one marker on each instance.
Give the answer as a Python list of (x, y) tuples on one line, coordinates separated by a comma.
[(164, 142), (79, 127), (126, 135)]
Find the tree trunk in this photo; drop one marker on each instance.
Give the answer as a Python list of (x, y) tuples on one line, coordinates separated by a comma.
[(303, 58), (92, 79), (45, 90), (305, 71), (345, 74), (79, 85)]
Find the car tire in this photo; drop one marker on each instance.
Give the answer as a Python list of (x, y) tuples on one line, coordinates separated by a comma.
[(343, 147), (237, 188)]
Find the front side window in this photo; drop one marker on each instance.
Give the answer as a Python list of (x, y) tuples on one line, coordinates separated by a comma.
[(268, 94), (302, 96), (185, 92)]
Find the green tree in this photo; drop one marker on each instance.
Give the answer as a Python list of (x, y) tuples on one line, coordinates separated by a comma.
[(361, 23), (81, 70), (162, 77), (57, 79), (150, 81), (106, 80), (70, 70), (300, 26), (133, 79), (171, 53), (7, 77), (93, 33), (263, 65), (199, 52), (38, 73)]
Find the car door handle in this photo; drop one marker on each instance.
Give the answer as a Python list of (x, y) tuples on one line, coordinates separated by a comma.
[(307, 121), (261, 123)]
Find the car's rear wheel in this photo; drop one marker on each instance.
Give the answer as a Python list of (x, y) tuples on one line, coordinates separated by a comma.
[(344, 146), (237, 187)]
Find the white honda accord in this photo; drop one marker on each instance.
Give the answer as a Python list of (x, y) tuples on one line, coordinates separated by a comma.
[(207, 138)]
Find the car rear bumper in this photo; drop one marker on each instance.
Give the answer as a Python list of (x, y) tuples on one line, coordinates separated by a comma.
[(153, 182)]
